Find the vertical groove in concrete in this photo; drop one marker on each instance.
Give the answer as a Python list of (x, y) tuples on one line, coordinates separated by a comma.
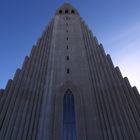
[(95, 88), (11, 113), (9, 95), (1, 93), (47, 44), (101, 92), (136, 94), (109, 80), (28, 97), (36, 90), (129, 120), (124, 133), (103, 107), (114, 94), (119, 87), (133, 103), (87, 40), (133, 97), (125, 117), (87, 46), (4, 98), (44, 73), (110, 114), (23, 93)]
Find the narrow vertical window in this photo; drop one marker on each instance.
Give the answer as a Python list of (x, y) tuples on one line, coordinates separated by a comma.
[(72, 11), (67, 57), (68, 71), (69, 125)]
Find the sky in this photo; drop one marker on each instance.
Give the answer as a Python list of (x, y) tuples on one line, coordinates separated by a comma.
[(115, 23)]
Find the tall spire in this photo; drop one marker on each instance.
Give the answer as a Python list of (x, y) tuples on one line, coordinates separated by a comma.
[(68, 88)]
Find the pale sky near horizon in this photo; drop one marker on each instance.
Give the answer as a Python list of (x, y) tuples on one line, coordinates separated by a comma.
[(115, 23)]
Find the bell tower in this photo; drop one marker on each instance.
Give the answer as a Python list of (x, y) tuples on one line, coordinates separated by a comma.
[(69, 89)]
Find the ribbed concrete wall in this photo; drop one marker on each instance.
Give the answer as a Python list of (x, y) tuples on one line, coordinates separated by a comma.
[(117, 101), (68, 56), (21, 101)]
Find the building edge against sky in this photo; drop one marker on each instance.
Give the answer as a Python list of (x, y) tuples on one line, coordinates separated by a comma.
[(125, 32), (69, 87)]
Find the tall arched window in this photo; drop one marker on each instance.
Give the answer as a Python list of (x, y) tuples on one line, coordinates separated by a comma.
[(69, 125)]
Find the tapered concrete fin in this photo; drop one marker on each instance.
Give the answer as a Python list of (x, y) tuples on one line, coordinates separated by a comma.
[(44, 34), (91, 33), (25, 62), (1, 93), (100, 97), (131, 92), (102, 48), (124, 106), (32, 50), (127, 81), (8, 85), (4, 92), (109, 59), (34, 104), (118, 71), (3, 100), (32, 94), (96, 40), (16, 74), (137, 95), (135, 90), (133, 102), (107, 101), (114, 94), (18, 97), (90, 53), (39, 41)]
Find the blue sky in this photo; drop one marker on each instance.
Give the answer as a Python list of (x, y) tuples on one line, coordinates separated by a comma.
[(116, 23)]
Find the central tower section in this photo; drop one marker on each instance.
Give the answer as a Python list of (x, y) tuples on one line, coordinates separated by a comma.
[(70, 61), (69, 89), (68, 69)]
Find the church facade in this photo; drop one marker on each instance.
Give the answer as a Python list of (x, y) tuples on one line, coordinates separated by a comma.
[(69, 89)]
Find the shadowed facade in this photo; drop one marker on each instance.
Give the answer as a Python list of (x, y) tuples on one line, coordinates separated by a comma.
[(69, 89)]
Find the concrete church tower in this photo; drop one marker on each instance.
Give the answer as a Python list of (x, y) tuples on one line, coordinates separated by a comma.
[(69, 89)]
